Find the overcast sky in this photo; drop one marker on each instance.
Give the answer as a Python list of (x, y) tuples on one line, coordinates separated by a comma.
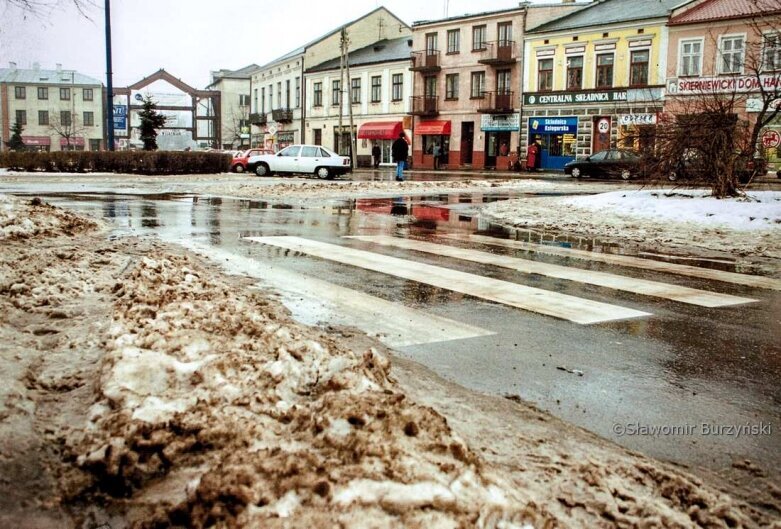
[(189, 38)]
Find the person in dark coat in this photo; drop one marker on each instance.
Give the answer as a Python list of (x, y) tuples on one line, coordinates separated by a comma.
[(376, 155), (400, 152)]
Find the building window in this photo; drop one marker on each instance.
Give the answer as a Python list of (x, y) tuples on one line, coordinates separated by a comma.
[(43, 117), (298, 92), (355, 91), (94, 145), (638, 74), (336, 92), (431, 43), (505, 32), (477, 85), (376, 89), (65, 94), (454, 41), (87, 94), (575, 73), (771, 51), (21, 117), (605, 70), (318, 89), (262, 100), (65, 118), (545, 75), (691, 57), (430, 86), (731, 51), (89, 119), (478, 38), (451, 86), (279, 95), (243, 100), (503, 82), (271, 97), (287, 94), (255, 99), (20, 92), (43, 92), (398, 86)]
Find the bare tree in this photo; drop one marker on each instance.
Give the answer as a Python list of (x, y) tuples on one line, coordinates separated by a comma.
[(66, 126), (236, 124), (44, 7)]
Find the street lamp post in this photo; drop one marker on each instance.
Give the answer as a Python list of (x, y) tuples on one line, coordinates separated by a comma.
[(109, 82)]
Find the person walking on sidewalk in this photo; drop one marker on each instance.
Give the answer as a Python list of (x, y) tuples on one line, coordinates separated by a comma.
[(400, 152), (437, 152), (376, 155)]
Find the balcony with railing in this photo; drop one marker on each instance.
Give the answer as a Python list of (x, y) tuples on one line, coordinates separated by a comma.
[(500, 102), (499, 53), (426, 61), (424, 106), (258, 119), (282, 115)]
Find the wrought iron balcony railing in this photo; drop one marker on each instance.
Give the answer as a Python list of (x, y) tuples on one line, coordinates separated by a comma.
[(426, 106), (426, 61), (282, 115), (499, 53), (500, 102), (258, 119)]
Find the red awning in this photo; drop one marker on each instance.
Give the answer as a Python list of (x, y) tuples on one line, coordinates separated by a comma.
[(433, 128), (79, 142), (380, 130), (36, 140)]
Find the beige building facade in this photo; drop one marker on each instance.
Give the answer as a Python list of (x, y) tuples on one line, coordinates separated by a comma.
[(235, 87), (58, 109)]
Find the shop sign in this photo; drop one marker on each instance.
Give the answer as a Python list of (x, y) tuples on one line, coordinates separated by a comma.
[(500, 122), (771, 139), (285, 136), (755, 104), (575, 98), (120, 117), (636, 119), (554, 125), (723, 85)]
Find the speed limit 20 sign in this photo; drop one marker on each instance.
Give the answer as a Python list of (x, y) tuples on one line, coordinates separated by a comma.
[(603, 126)]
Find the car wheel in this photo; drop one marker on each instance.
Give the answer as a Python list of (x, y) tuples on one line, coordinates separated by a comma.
[(576, 172), (672, 176), (625, 174), (322, 172), (238, 168), (262, 170)]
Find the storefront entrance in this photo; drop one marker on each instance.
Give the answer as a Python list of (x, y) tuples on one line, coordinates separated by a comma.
[(496, 144), (467, 141), (558, 139)]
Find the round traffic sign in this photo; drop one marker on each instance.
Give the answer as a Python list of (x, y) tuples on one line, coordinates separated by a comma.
[(603, 126), (771, 139)]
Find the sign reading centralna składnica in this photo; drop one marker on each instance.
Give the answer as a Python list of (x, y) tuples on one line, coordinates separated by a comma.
[(540, 125), (574, 98), (500, 122)]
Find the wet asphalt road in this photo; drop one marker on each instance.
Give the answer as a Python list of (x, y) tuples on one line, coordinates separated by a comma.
[(699, 370)]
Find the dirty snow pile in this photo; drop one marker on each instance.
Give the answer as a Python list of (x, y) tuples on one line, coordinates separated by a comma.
[(246, 419), (19, 220), (745, 225)]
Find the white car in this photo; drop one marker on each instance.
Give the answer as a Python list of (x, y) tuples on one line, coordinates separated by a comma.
[(307, 159)]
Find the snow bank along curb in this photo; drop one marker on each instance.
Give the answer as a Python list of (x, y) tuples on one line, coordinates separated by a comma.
[(750, 225)]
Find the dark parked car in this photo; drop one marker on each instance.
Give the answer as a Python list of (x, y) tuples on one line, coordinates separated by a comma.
[(689, 167), (612, 163)]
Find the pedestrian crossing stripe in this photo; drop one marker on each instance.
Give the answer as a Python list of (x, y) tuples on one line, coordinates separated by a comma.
[(634, 285), (563, 306)]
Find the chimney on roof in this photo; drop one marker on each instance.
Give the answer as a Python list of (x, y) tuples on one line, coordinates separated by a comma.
[(12, 65), (59, 67)]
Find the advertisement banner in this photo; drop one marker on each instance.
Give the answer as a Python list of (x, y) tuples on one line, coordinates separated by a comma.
[(724, 85), (120, 117), (575, 98), (553, 125), (500, 122)]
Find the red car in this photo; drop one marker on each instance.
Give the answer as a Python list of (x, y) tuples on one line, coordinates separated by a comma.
[(239, 163)]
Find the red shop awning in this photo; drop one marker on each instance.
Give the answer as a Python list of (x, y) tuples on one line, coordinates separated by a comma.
[(433, 128), (79, 142), (36, 140), (380, 130)]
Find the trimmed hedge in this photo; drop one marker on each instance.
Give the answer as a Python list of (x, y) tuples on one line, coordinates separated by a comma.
[(134, 162)]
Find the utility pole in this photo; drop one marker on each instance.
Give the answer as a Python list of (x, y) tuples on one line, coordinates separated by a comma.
[(353, 142), (109, 82), (341, 89)]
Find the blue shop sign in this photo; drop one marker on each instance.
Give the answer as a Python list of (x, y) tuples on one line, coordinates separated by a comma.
[(553, 125), (120, 117)]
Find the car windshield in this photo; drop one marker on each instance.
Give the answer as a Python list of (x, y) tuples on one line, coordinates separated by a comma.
[(290, 151), (598, 157)]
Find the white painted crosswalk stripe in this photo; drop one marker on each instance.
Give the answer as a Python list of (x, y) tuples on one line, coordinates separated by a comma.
[(628, 261), (616, 282), (554, 304), (393, 324)]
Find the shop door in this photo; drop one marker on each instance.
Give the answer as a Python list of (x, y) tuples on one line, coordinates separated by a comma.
[(467, 141), (555, 153), (491, 147), (385, 149), (600, 136)]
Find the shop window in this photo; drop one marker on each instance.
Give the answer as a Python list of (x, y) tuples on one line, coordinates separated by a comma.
[(638, 74), (451, 86), (691, 58), (731, 51), (318, 94), (454, 41), (574, 73), (545, 75), (398, 86), (605, 70)]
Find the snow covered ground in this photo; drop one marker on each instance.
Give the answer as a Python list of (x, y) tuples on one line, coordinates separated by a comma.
[(690, 219), (140, 386)]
